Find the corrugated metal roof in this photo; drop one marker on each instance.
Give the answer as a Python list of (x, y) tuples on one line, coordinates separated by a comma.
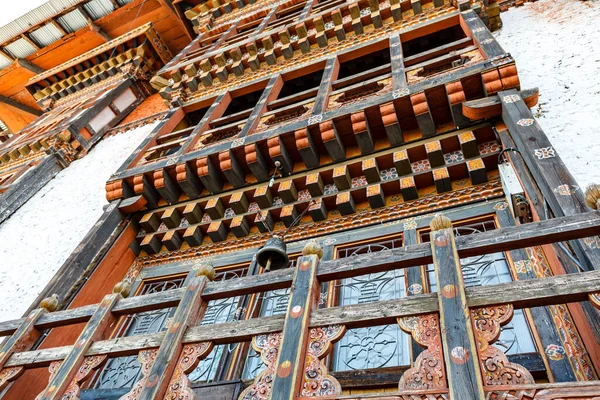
[(45, 35), (73, 21), (34, 17), (20, 48), (2, 126), (123, 2), (4, 62), (99, 8)]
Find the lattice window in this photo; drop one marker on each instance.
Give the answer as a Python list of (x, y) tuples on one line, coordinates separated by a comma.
[(373, 347), (123, 372), (491, 269)]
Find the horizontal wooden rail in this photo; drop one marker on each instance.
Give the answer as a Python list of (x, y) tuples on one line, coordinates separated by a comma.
[(510, 238), (531, 293)]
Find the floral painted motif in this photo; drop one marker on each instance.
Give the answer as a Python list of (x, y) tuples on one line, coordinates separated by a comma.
[(523, 266), (410, 223), (454, 157), (501, 205), (592, 242), (555, 352), (359, 181), (564, 190), (544, 152), (525, 122), (7, 375), (511, 98), (415, 288), (304, 195), (388, 174), (238, 142), (330, 189), (315, 119), (420, 166), (277, 202), (396, 94), (253, 207), (229, 213), (489, 147)]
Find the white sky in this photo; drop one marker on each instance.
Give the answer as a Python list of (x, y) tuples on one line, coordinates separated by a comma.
[(14, 9)]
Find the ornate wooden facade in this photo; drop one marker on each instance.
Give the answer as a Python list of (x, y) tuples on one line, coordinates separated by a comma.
[(432, 244)]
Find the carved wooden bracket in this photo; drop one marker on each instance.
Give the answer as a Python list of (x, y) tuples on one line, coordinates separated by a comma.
[(496, 369), (316, 381), (428, 371), (179, 387), (8, 375), (89, 364), (268, 348), (146, 358)]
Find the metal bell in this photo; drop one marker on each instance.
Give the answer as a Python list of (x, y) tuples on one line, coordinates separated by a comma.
[(273, 255)]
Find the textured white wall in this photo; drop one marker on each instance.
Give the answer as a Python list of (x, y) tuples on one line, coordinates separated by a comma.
[(37, 239), (556, 44)]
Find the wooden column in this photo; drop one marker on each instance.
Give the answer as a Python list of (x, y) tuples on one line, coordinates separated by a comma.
[(460, 351), (269, 94), (397, 61), (95, 328), (189, 313), (24, 338), (556, 183), (560, 368), (304, 298), (413, 277), (332, 67)]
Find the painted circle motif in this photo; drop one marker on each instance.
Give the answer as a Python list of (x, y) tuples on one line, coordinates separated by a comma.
[(415, 288), (285, 369), (152, 380), (449, 291), (173, 328), (555, 352), (459, 355), (304, 265), (296, 311), (442, 241)]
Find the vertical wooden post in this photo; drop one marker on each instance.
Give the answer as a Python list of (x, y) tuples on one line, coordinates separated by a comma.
[(332, 67), (96, 326), (460, 352), (269, 94), (397, 62), (413, 277), (24, 337), (560, 368), (189, 312), (304, 297), (556, 183)]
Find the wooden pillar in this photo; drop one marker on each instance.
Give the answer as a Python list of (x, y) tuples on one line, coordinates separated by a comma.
[(24, 337), (556, 183), (189, 313), (413, 277), (460, 352), (304, 297), (95, 328), (332, 67), (560, 368), (269, 94), (397, 62)]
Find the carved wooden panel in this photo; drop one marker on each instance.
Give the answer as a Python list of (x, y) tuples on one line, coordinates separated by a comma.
[(179, 387), (268, 348), (316, 381)]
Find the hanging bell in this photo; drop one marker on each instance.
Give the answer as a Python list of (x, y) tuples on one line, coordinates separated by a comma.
[(273, 255)]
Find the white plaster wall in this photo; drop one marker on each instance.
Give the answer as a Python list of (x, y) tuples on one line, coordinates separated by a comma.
[(41, 235), (556, 44)]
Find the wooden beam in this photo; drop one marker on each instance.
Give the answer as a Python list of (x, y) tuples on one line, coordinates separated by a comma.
[(522, 294), (503, 239), (481, 34)]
